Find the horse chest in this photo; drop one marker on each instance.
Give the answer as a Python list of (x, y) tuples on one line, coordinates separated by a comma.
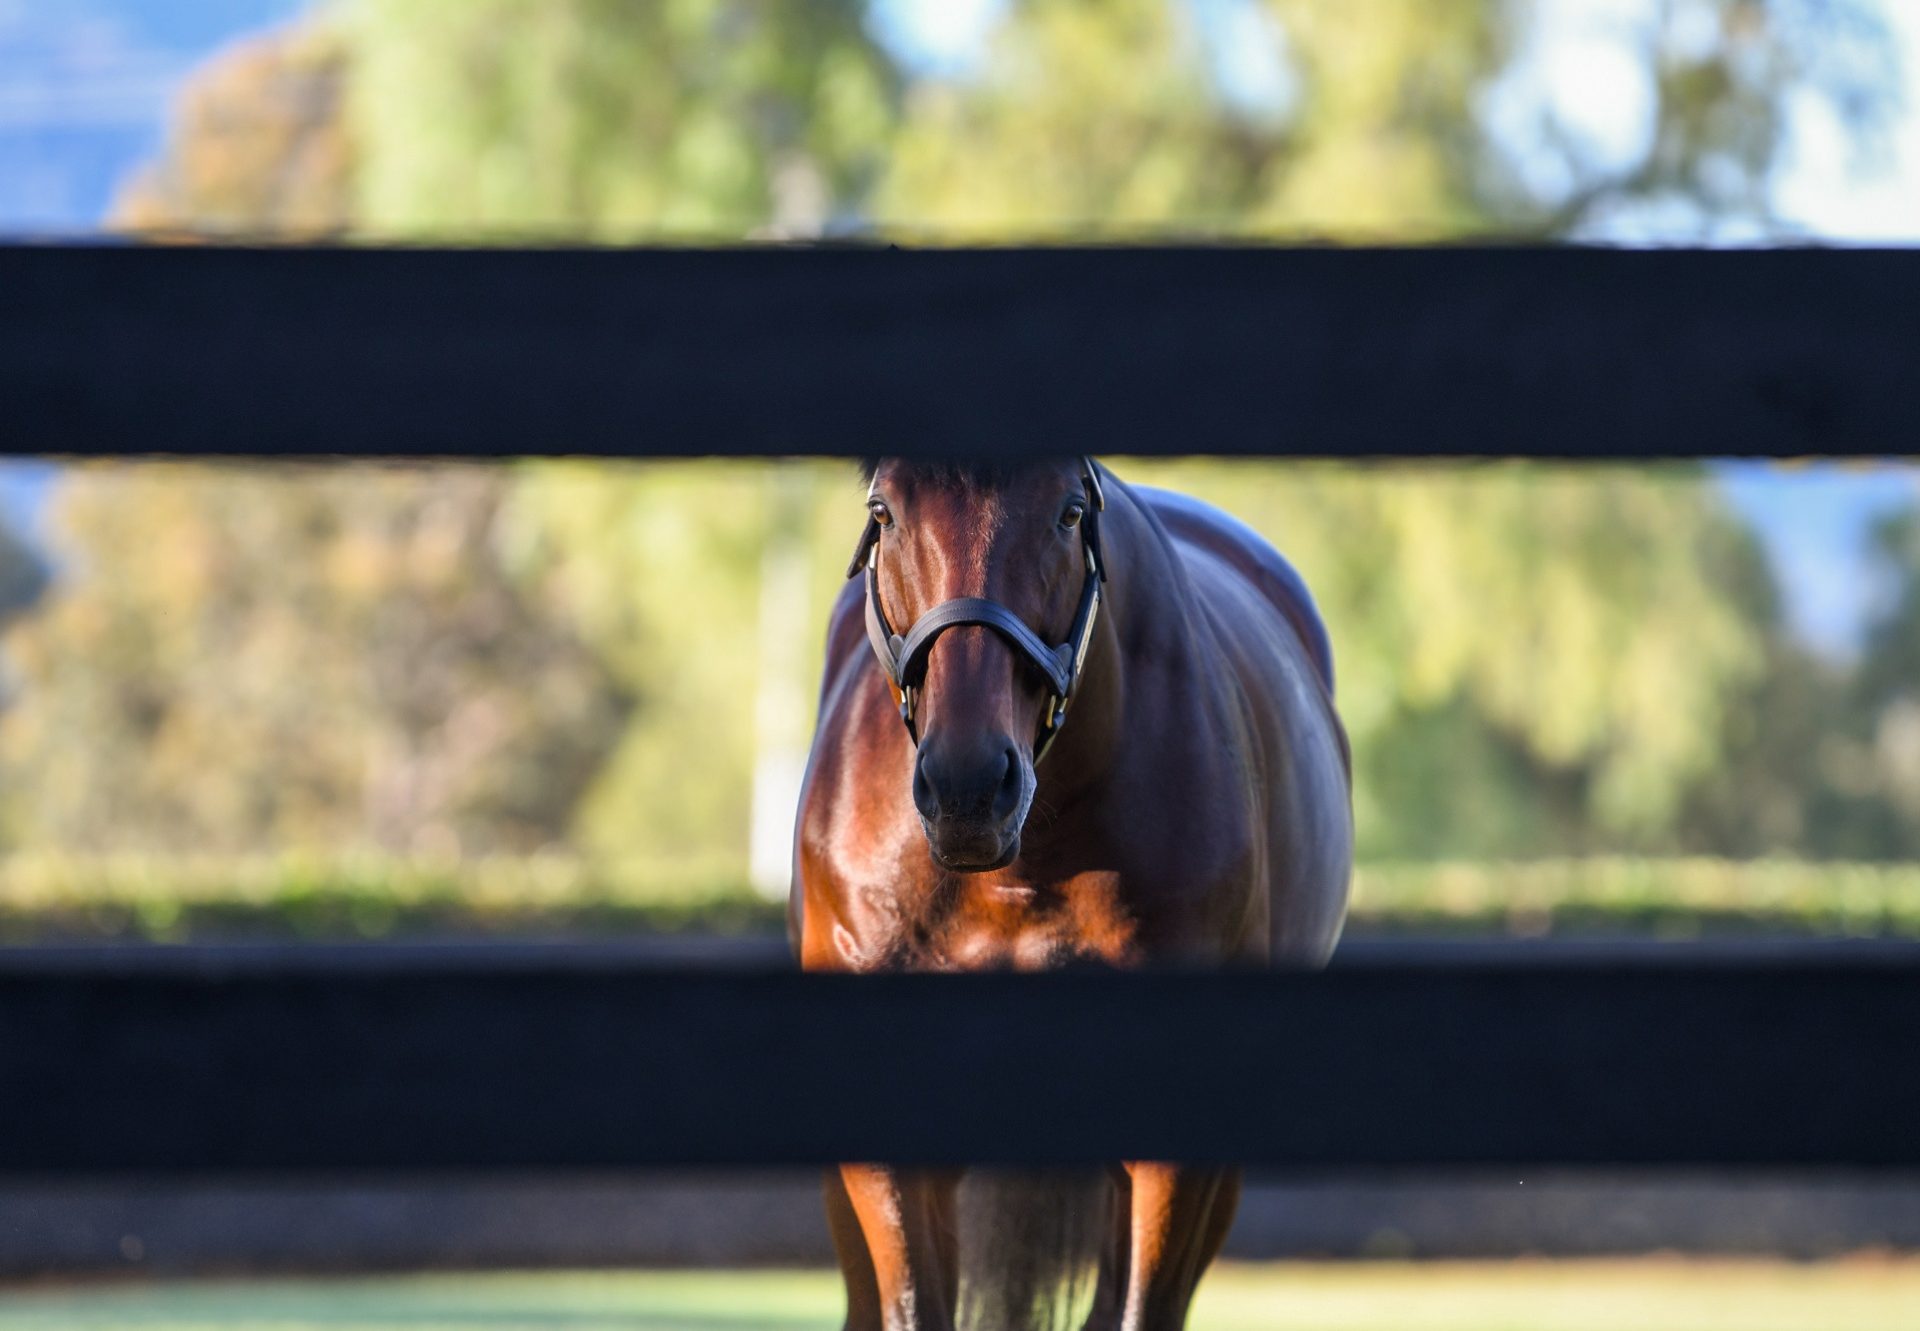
[(968, 924), (1028, 929)]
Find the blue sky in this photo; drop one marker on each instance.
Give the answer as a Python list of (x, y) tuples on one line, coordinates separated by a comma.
[(85, 86), (1815, 519)]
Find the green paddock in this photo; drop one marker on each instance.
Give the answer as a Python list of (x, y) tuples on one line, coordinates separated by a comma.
[(1646, 1295)]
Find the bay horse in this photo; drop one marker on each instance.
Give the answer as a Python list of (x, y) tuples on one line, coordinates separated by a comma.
[(1064, 720)]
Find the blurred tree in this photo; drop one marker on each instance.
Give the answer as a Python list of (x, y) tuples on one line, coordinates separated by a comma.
[(1083, 118), (258, 146), (592, 120), (23, 580), (1533, 661), (577, 119), (1530, 659), (316, 657), (1890, 662), (1795, 777), (605, 120), (1888, 681), (251, 659), (573, 119), (1719, 79), (1391, 120), (23, 575), (661, 565), (1822, 758)]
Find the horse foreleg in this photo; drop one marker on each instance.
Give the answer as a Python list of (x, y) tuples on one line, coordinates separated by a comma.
[(905, 1219), (1110, 1285), (943, 1216), (1180, 1217), (850, 1245), (1226, 1205)]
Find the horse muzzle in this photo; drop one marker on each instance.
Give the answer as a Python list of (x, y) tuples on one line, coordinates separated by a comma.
[(973, 803)]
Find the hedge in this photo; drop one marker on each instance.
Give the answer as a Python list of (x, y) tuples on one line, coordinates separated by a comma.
[(79, 898)]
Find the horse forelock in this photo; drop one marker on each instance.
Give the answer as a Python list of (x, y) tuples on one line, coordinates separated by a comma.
[(969, 512), (959, 473)]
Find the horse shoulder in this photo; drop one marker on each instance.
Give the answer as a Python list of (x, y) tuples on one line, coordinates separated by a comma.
[(850, 829)]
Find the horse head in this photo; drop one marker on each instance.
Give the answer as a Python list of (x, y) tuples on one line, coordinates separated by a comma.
[(991, 573)]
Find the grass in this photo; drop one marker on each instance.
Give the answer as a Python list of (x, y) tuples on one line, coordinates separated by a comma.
[(1647, 1295), (55, 897)]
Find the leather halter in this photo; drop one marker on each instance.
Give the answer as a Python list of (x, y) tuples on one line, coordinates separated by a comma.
[(904, 658)]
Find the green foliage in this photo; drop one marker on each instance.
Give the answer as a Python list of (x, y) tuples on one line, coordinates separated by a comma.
[(1533, 661), (1402, 119), (1529, 658), (1087, 118), (662, 568), (198, 897), (1667, 898), (246, 657), (187, 896), (1823, 758), (1891, 670), (1887, 689), (608, 120), (258, 147)]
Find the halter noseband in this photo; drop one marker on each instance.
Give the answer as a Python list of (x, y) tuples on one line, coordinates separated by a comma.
[(904, 658)]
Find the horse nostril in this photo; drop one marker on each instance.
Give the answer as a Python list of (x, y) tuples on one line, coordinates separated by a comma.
[(989, 786), (1007, 798), (924, 798)]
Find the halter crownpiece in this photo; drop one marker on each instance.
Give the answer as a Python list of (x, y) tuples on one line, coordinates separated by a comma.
[(904, 658)]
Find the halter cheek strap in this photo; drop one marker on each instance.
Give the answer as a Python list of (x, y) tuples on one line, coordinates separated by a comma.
[(903, 659)]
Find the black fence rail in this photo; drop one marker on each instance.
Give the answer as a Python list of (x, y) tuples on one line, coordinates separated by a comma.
[(1523, 352), (468, 1060), (189, 1062)]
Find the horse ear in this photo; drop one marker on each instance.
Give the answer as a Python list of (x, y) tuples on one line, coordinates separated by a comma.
[(864, 551), (1090, 528)]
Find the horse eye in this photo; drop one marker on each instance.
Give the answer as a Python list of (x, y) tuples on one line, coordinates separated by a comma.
[(881, 513), (1071, 518)]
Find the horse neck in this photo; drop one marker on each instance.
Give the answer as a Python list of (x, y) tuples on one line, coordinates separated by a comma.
[(1142, 613)]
